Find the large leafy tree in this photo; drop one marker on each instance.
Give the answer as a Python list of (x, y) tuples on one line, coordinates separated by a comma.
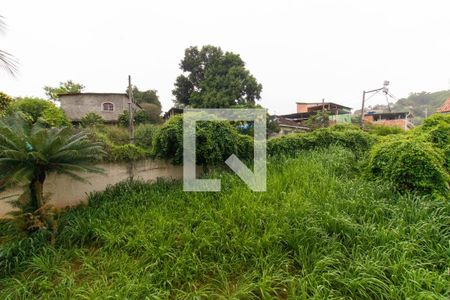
[(148, 96), (68, 87), (29, 152), (39, 110), (214, 79)]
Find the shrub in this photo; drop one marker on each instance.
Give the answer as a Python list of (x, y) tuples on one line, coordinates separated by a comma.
[(383, 130), (434, 120), (140, 117), (144, 135), (215, 142), (356, 140), (92, 119), (5, 102), (435, 129), (410, 164), (117, 135), (344, 127), (127, 152), (40, 110)]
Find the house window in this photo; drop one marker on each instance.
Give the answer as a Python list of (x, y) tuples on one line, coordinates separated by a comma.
[(108, 106)]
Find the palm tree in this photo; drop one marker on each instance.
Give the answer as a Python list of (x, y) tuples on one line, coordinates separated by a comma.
[(29, 152), (7, 61)]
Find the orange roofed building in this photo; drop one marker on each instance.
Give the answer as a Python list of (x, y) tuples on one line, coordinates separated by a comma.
[(445, 108)]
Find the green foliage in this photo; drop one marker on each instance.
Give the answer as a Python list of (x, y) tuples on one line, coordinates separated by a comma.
[(144, 135), (215, 80), (344, 127), (315, 234), (151, 113), (319, 120), (40, 110), (116, 134), (354, 139), (435, 120), (383, 130), (149, 97), (5, 102), (115, 141), (127, 152), (92, 119), (68, 87), (410, 164), (435, 129), (141, 117), (215, 142), (28, 153)]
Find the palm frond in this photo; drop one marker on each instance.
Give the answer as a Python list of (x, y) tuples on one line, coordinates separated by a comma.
[(8, 63)]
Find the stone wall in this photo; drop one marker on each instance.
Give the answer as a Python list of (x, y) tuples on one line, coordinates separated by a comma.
[(63, 191)]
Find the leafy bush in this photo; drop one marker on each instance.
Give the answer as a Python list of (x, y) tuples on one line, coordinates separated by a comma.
[(144, 135), (344, 127), (354, 139), (116, 148), (410, 164), (127, 152), (92, 119), (435, 129), (117, 135), (215, 142), (383, 130), (140, 117), (5, 102), (40, 110), (435, 120)]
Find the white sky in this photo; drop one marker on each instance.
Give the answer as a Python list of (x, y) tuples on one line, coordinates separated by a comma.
[(299, 50)]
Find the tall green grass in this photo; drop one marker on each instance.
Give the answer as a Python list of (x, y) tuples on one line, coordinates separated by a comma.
[(321, 231)]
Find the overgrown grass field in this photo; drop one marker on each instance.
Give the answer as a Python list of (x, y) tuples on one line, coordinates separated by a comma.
[(321, 231)]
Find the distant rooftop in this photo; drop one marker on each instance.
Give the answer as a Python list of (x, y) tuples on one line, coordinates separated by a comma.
[(319, 104), (92, 94), (445, 108)]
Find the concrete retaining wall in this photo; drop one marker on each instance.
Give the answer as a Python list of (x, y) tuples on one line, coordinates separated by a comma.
[(63, 191)]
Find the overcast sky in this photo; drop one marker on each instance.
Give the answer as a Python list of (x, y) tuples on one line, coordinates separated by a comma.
[(299, 50)]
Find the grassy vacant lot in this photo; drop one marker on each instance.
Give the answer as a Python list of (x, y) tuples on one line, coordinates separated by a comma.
[(321, 231)]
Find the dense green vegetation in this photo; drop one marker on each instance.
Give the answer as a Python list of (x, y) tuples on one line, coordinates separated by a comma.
[(321, 231), (39, 111)]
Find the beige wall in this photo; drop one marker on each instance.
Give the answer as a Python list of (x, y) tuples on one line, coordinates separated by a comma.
[(78, 105), (64, 191)]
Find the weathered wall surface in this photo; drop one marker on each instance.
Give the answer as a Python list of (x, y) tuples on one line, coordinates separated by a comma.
[(64, 191), (78, 105)]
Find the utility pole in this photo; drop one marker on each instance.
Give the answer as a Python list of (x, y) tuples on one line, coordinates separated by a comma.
[(323, 112), (385, 90), (130, 110)]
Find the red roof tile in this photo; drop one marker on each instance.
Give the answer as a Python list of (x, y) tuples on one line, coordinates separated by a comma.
[(445, 107)]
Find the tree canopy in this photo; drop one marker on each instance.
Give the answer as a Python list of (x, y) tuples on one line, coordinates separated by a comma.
[(214, 79), (148, 96), (68, 87)]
